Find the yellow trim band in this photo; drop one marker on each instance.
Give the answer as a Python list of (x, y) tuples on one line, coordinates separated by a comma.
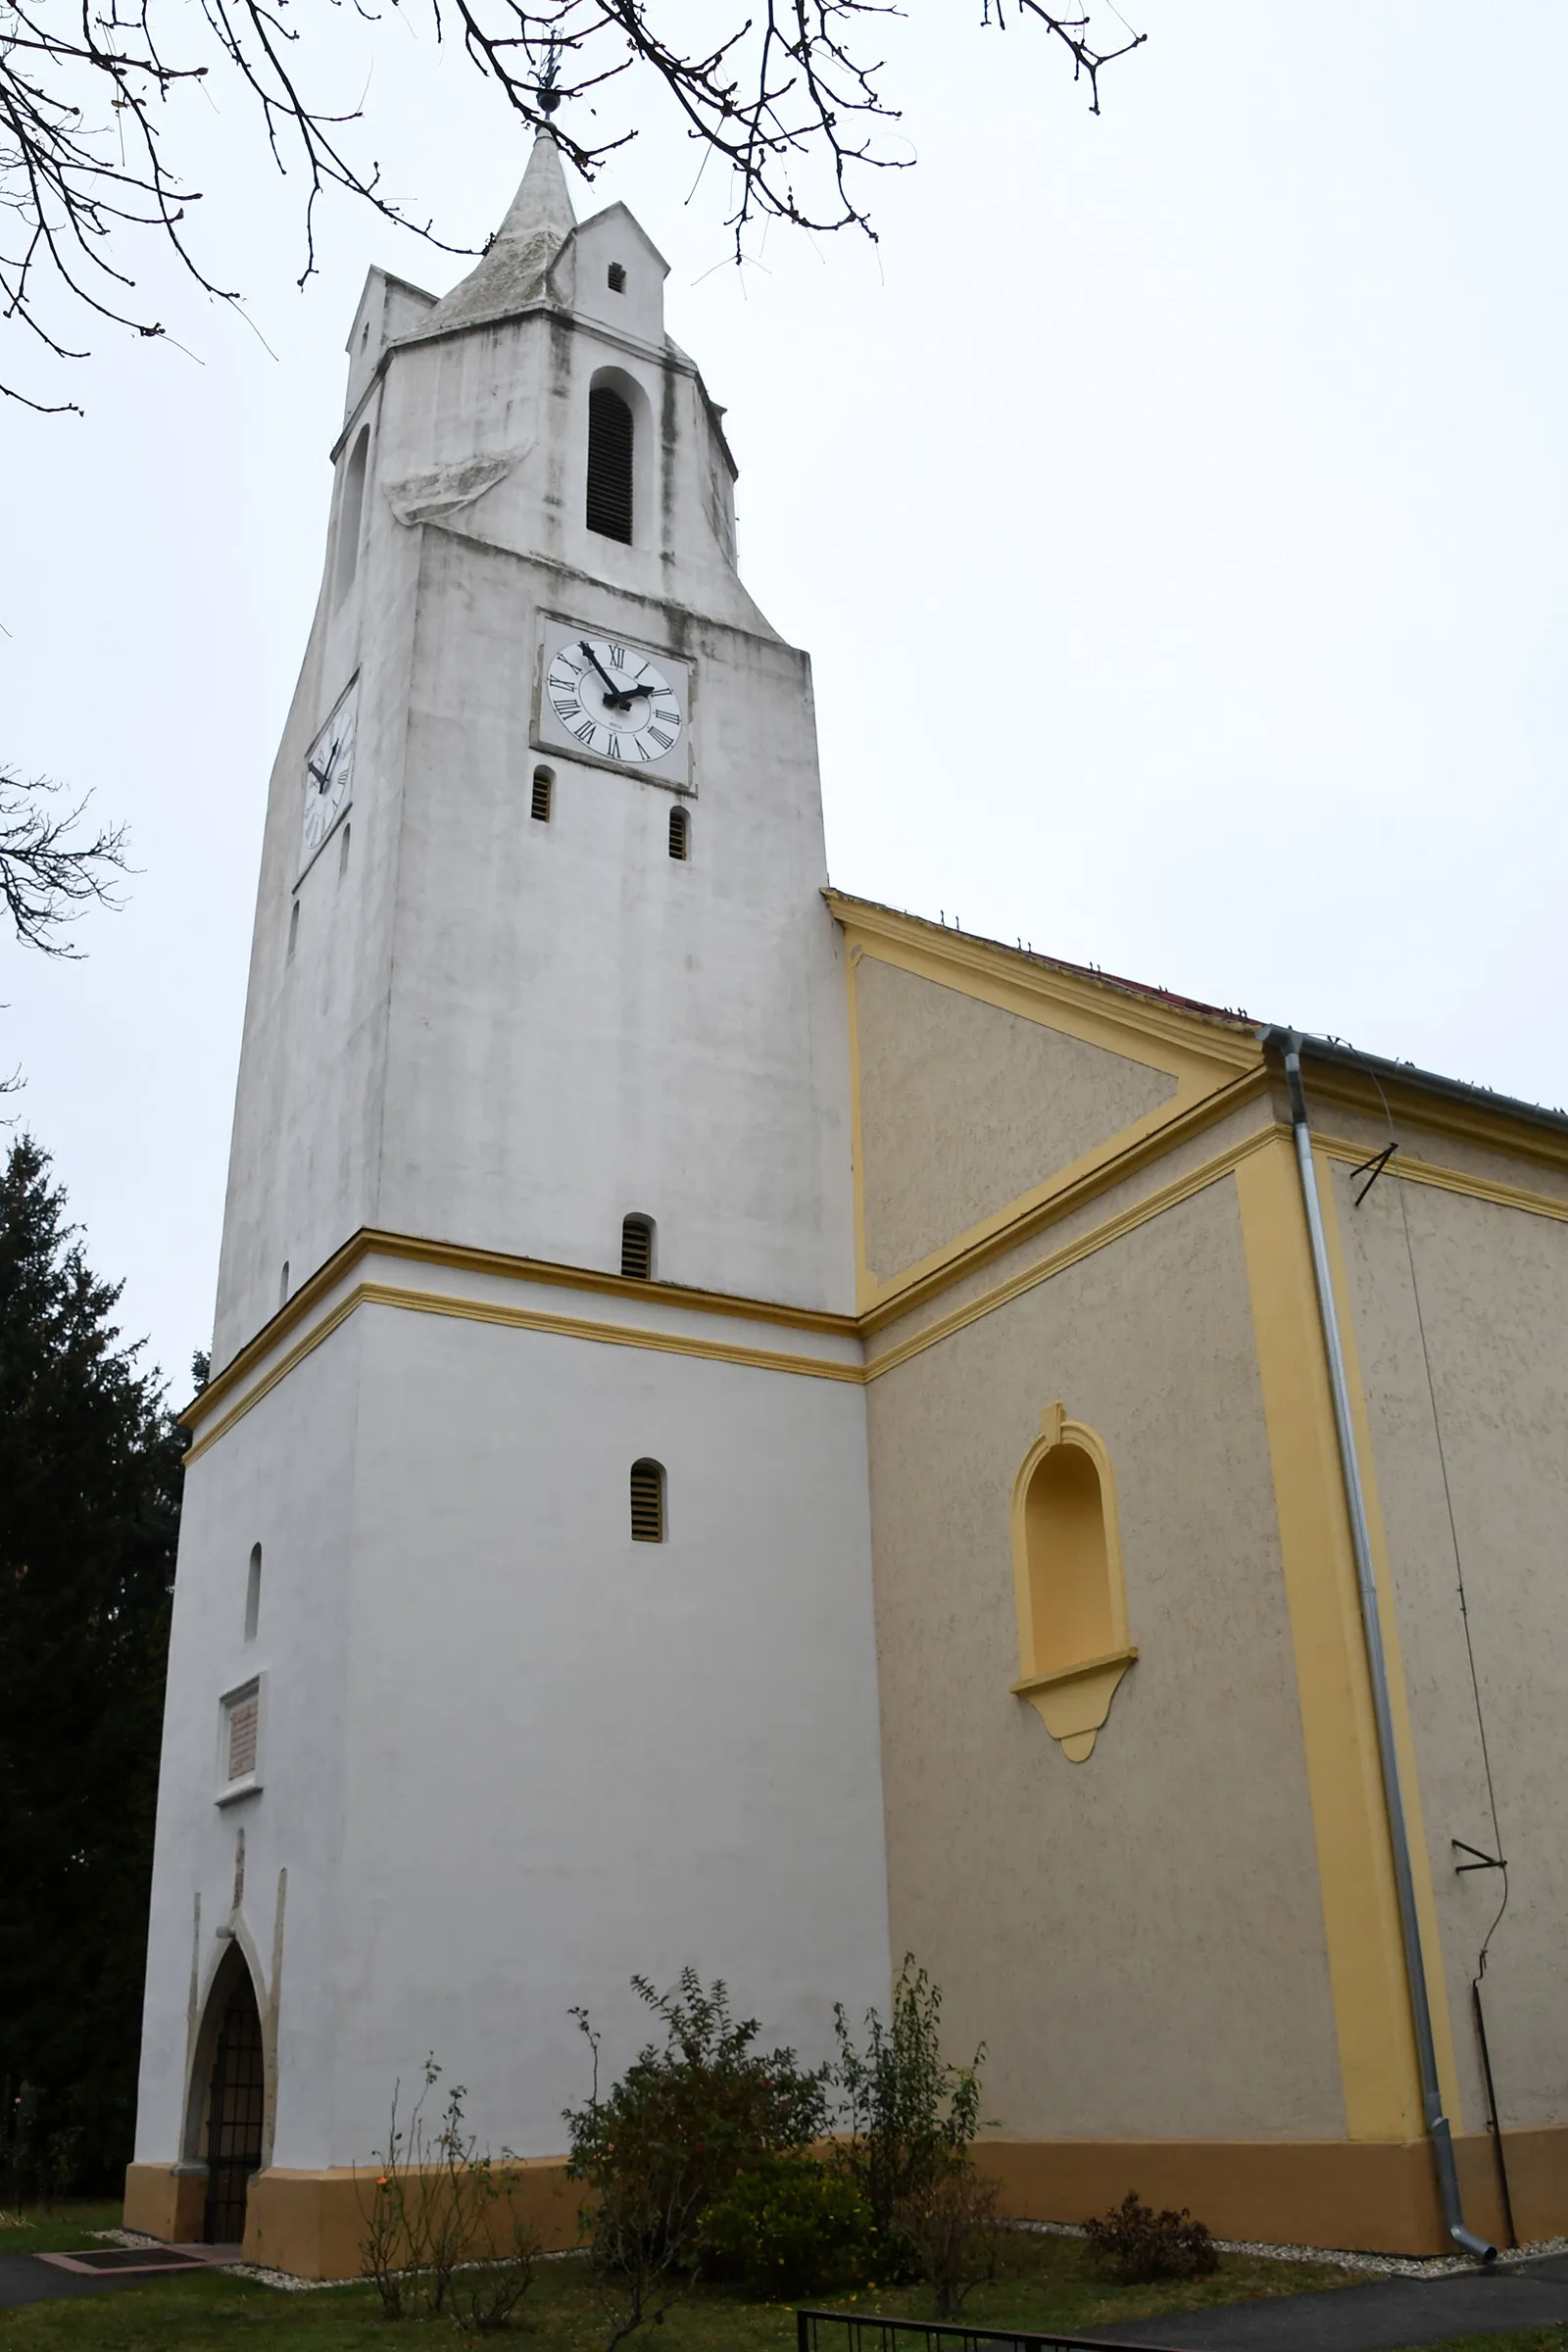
[(370, 1243), (521, 1318)]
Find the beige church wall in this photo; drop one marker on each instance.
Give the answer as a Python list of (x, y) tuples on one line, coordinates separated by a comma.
[(1138, 1938), (1494, 1298), (965, 1106)]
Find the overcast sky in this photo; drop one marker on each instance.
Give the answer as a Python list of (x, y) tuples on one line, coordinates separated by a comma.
[(1172, 505)]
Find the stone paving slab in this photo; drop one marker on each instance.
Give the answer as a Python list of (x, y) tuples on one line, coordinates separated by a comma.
[(1387, 2314), (45, 2278)]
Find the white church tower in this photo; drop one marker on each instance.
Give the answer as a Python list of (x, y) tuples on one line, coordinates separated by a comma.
[(523, 1634)]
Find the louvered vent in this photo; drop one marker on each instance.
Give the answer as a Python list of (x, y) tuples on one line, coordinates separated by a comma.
[(646, 1504), (243, 1712), (610, 446), (637, 1248), (616, 277), (542, 781), (680, 834)]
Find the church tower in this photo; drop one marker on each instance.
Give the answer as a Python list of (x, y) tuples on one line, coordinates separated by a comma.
[(523, 1630)]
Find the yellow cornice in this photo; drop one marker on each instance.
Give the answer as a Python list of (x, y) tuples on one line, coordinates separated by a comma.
[(1028, 1278), (1412, 1105), (1448, 1180), (1124, 1007), (369, 1242), (518, 1318), (897, 1300)]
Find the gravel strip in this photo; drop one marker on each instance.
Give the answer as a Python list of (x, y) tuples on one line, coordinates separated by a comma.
[(1340, 2257)]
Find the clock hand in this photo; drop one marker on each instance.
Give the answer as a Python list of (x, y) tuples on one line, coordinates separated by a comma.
[(323, 776), (617, 698)]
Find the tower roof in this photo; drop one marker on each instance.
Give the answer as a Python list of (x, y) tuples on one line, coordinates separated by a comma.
[(516, 261)]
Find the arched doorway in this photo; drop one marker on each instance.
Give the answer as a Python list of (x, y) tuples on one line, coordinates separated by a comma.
[(236, 2101)]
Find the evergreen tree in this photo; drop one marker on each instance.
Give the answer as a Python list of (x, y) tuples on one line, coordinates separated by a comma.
[(90, 1508)]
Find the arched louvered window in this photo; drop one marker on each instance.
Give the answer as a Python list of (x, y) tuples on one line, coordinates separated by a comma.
[(680, 833), (637, 1248), (610, 435), (616, 277), (647, 1502), (543, 789)]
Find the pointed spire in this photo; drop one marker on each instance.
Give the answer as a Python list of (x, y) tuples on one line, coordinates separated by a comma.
[(513, 268), (543, 200)]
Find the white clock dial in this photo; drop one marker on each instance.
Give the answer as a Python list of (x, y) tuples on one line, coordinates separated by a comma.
[(328, 776), (613, 701)]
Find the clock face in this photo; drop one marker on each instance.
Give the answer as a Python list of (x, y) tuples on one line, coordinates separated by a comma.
[(613, 701), (328, 776)]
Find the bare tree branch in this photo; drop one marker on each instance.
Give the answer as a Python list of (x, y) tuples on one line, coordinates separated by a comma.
[(789, 99), (45, 876)]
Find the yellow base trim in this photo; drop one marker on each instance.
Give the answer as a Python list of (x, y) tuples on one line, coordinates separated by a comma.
[(166, 2201), (312, 2224), (1379, 2196)]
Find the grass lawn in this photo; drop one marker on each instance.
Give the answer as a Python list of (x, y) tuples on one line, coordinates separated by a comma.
[(1047, 2286), (1518, 2339)]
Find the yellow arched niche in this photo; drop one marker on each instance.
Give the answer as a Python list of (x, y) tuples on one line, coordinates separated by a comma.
[(1072, 1601)]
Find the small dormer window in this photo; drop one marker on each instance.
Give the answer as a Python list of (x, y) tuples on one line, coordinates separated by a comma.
[(617, 279)]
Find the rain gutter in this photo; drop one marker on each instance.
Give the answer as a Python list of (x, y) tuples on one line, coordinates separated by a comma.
[(1289, 1045)]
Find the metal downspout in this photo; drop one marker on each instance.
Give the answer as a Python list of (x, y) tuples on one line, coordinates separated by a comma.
[(1437, 2121)]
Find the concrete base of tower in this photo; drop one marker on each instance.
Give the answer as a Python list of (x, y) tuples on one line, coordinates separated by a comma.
[(312, 2225)]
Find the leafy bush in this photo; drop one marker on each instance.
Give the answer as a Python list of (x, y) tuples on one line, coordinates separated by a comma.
[(950, 2226), (911, 2115), (669, 2140), (1135, 2244), (791, 2224)]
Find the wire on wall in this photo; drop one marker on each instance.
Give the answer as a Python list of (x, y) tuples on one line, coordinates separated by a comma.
[(1496, 1860)]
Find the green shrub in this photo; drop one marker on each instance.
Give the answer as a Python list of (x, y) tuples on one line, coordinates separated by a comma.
[(666, 2142), (790, 2225), (911, 2113), (1136, 2245)]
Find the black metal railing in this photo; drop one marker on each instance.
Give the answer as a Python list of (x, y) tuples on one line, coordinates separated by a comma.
[(866, 2331)]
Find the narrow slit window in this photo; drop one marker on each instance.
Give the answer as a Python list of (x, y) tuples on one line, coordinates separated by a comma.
[(637, 1248), (611, 434), (352, 513), (253, 1593), (680, 834), (343, 852), (647, 1502), (616, 277), (543, 792), (282, 1284), (293, 929)]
